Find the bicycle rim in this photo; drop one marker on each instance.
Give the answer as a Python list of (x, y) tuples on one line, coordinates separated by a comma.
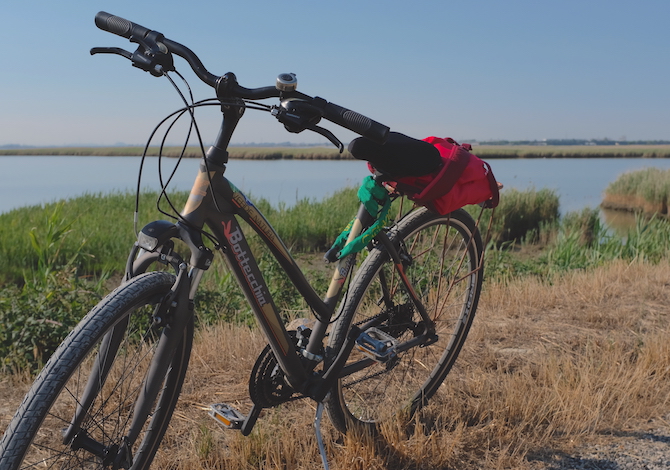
[(35, 436), (445, 253)]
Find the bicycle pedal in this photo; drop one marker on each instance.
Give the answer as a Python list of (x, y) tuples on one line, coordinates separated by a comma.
[(377, 345), (227, 416)]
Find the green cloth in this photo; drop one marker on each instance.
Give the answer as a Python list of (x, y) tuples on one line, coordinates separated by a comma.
[(373, 196)]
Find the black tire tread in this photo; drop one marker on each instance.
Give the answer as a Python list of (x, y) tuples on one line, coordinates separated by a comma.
[(66, 358), (365, 275)]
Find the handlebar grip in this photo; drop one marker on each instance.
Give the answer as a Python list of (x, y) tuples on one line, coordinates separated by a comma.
[(120, 26), (356, 122)]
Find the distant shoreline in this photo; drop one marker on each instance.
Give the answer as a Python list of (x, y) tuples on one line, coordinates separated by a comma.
[(327, 153)]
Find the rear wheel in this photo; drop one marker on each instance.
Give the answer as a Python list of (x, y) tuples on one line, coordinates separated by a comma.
[(35, 437), (442, 259)]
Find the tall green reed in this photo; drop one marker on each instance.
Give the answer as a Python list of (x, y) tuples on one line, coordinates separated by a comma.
[(521, 216), (648, 241), (650, 184)]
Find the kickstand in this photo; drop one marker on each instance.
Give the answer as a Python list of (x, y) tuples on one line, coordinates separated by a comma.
[(319, 438)]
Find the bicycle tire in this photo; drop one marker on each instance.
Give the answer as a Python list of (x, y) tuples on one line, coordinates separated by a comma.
[(35, 435), (445, 256)]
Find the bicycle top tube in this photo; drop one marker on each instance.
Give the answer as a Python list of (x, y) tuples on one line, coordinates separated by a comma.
[(154, 55)]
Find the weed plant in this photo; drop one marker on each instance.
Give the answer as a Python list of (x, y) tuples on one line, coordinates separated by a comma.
[(102, 225), (35, 317)]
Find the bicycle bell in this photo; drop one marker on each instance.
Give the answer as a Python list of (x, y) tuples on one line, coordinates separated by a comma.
[(287, 82)]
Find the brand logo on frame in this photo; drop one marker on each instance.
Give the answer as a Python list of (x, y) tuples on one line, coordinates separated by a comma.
[(242, 258)]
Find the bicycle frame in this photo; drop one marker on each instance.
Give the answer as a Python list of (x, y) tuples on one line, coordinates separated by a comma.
[(216, 203)]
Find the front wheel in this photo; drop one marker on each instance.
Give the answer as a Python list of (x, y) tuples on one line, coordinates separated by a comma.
[(108, 352), (442, 256)]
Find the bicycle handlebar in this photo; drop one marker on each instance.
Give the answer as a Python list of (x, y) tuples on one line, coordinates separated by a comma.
[(356, 122), (120, 26), (155, 43)]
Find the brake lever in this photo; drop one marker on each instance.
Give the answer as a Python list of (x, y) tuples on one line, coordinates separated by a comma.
[(138, 58), (151, 55), (328, 135), (112, 50)]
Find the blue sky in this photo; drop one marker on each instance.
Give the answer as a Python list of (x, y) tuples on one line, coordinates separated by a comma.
[(515, 69)]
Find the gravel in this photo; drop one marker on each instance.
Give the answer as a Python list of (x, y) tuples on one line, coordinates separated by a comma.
[(632, 450)]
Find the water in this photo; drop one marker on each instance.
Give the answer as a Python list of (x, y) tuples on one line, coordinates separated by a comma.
[(38, 180), (579, 182)]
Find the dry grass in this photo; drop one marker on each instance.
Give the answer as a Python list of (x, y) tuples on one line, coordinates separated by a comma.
[(546, 368)]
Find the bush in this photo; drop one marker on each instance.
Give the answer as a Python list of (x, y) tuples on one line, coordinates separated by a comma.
[(585, 224), (521, 215), (35, 319)]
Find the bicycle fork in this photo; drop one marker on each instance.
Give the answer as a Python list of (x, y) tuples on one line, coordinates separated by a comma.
[(180, 309)]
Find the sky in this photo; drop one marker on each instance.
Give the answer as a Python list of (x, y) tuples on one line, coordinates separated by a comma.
[(476, 70)]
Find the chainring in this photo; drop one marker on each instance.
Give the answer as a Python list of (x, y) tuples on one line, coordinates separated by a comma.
[(267, 384)]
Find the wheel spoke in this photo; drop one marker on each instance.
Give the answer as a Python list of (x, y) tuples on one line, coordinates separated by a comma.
[(443, 271), (57, 393)]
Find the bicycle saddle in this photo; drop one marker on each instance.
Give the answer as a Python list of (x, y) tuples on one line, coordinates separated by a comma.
[(399, 156)]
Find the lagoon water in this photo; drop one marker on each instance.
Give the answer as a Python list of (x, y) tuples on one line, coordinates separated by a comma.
[(37, 180)]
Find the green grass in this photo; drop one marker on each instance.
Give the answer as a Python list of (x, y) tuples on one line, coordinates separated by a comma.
[(100, 228), (95, 231), (312, 225)]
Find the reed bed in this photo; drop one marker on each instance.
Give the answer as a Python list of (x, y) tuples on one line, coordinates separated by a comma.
[(521, 215), (331, 153), (100, 226), (572, 151), (249, 153), (646, 191)]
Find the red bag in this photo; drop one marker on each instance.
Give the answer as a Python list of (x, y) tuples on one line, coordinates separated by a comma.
[(463, 179)]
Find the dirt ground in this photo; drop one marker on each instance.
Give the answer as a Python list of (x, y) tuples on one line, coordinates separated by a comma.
[(523, 332)]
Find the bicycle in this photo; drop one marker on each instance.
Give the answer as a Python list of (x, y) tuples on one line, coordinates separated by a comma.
[(106, 396)]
